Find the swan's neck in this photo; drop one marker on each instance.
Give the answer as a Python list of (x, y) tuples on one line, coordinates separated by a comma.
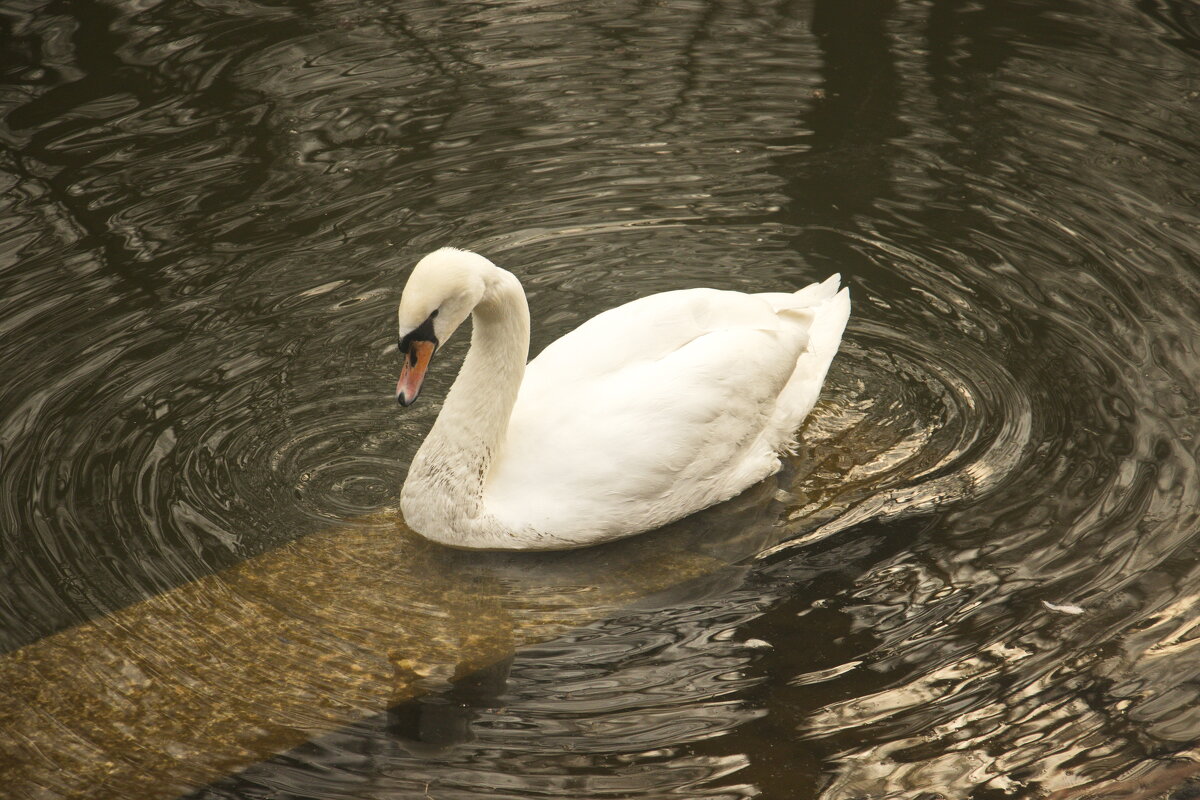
[(443, 495)]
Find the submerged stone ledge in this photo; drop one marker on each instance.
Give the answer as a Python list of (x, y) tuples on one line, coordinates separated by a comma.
[(201, 681)]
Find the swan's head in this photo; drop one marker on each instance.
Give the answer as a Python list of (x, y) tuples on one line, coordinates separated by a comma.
[(441, 292)]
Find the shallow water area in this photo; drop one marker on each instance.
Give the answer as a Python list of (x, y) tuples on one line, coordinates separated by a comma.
[(977, 577)]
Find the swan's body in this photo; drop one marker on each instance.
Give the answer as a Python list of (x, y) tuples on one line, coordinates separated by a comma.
[(642, 415)]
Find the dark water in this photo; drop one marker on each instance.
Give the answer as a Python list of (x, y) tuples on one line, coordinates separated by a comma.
[(979, 579)]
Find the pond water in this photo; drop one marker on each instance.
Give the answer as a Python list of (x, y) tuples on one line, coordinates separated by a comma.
[(979, 578)]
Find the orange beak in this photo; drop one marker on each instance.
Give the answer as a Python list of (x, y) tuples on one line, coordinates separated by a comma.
[(412, 374)]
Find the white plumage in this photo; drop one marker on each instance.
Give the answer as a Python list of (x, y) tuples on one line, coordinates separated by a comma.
[(642, 415)]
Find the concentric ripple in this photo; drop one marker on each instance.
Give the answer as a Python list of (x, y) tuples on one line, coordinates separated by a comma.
[(977, 575)]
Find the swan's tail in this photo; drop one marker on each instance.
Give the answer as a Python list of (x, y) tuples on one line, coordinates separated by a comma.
[(829, 309)]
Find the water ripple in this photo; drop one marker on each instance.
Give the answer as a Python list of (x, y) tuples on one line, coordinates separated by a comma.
[(208, 210)]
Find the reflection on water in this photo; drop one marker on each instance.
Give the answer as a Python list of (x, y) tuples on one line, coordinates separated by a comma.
[(207, 215)]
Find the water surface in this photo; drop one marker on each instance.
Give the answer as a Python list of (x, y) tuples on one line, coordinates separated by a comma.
[(978, 578)]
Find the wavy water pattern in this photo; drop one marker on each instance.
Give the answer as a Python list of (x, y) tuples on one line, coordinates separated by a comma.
[(977, 576)]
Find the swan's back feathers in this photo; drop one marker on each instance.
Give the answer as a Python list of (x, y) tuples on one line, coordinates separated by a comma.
[(647, 329), (694, 392)]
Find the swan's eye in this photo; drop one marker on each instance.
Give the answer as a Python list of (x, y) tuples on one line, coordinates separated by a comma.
[(433, 313), (422, 333)]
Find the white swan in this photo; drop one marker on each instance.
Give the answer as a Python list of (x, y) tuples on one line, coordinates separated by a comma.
[(644, 414)]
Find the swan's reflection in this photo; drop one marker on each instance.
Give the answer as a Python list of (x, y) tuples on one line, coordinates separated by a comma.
[(432, 724)]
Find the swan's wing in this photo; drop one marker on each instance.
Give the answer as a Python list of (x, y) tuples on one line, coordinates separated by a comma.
[(648, 412), (830, 312), (647, 329)]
